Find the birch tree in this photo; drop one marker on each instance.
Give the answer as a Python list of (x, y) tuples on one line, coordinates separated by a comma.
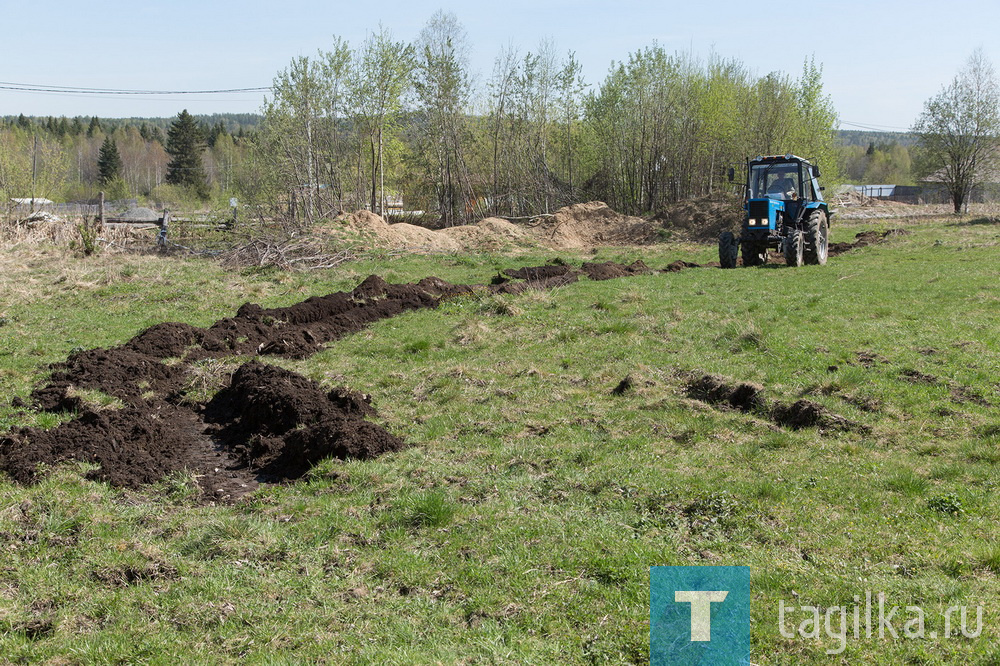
[(443, 88), (379, 80), (959, 128)]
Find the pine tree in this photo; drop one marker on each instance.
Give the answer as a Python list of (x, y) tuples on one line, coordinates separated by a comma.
[(184, 145), (95, 126), (109, 162)]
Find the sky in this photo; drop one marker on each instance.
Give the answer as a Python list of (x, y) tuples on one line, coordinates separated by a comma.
[(881, 59)]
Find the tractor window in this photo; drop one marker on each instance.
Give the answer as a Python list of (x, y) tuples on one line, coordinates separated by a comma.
[(776, 181)]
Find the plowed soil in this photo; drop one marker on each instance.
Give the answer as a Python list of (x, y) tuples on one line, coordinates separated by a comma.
[(749, 397), (268, 424)]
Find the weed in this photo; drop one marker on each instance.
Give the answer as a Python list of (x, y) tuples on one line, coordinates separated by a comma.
[(496, 304), (946, 503), (906, 482), (431, 508)]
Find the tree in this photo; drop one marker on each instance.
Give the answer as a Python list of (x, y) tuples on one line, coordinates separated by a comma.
[(379, 80), (443, 89), (959, 127), (109, 162), (184, 145), (292, 127)]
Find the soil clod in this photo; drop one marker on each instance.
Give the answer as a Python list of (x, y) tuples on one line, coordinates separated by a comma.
[(748, 397)]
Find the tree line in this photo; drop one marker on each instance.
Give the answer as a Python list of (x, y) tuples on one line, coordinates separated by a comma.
[(369, 125), (71, 159), (386, 124)]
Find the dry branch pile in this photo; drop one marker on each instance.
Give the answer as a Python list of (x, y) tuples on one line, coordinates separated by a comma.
[(289, 254)]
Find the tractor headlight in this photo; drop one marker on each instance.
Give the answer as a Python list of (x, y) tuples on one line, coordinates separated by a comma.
[(751, 222)]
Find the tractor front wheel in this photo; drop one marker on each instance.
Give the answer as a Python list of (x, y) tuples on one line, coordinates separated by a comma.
[(754, 254), (729, 247), (795, 248)]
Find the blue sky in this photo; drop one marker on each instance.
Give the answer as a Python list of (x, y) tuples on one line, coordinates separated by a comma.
[(881, 60)]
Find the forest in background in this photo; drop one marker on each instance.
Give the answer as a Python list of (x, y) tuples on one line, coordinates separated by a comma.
[(387, 125)]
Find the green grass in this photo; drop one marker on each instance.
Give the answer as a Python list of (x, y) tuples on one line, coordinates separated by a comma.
[(520, 525)]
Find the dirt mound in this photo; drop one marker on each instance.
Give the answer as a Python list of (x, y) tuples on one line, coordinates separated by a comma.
[(702, 220), (119, 372), (591, 224), (574, 227), (863, 239), (680, 265), (367, 222), (133, 446), (534, 273), (266, 424), (502, 228), (428, 240), (493, 233), (718, 390), (808, 414), (279, 424), (487, 235), (166, 340), (511, 287), (609, 270), (748, 397)]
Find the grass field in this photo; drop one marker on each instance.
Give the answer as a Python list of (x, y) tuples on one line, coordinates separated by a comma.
[(520, 525)]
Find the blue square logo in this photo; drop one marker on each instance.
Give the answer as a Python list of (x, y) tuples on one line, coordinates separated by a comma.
[(699, 615)]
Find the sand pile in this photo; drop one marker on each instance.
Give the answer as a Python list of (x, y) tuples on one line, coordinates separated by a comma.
[(703, 219), (592, 224), (580, 226), (370, 229)]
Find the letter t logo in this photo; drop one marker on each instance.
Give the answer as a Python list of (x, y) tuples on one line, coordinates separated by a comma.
[(701, 611)]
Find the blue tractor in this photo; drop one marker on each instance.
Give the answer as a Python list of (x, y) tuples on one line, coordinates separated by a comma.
[(785, 212)]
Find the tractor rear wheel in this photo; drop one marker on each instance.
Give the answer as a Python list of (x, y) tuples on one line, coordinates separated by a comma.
[(754, 254), (794, 248), (729, 247), (817, 232)]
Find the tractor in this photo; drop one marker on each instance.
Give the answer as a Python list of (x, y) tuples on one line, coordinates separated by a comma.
[(785, 211)]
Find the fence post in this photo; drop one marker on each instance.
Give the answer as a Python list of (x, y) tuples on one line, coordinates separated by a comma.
[(100, 208), (161, 239)]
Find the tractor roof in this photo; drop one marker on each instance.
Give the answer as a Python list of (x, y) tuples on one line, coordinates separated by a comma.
[(779, 158)]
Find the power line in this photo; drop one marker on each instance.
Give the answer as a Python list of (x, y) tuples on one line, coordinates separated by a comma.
[(140, 98), (875, 128), (78, 90)]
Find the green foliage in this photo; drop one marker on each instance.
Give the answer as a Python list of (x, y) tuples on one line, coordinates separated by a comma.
[(380, 76), (669, 125), (881, 163), (426, 509), (88, 236), (946, 503), (444, 88)]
